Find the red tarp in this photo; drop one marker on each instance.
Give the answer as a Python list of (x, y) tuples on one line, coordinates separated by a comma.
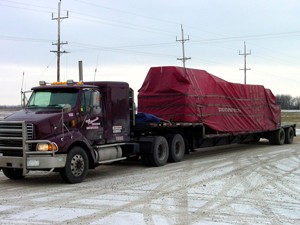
[(190, 95)]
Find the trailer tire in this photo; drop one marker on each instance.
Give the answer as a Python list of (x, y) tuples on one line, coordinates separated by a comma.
[(176, 148), (279, 137), (13, 174), (289, 135), (76, 167)]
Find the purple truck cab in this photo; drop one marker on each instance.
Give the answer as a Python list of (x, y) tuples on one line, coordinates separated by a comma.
[(68, 127)]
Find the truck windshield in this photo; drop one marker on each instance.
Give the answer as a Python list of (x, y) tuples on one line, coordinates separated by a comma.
[(52, 98)]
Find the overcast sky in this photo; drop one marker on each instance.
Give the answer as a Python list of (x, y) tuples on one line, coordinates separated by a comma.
[(121, 40)]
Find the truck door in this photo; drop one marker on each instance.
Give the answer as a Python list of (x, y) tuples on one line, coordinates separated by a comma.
[(91, 115)]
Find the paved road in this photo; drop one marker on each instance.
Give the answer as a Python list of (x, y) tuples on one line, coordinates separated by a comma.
[(238, 184)]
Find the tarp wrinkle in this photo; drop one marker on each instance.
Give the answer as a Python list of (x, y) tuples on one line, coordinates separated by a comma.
[(191, 95)]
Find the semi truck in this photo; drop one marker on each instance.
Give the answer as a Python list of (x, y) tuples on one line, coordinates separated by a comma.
[(71, 127)]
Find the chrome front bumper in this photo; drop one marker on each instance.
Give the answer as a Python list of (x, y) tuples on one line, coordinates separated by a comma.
[(34, 162)]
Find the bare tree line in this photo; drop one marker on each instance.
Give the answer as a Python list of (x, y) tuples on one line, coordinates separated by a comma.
[(10, 107), (288, 102)]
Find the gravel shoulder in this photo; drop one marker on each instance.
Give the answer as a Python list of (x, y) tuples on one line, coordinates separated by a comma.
[(237, 184)]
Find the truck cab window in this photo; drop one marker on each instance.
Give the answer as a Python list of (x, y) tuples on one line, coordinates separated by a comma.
[(90, 101), (53, 98), (41, 99), (86, 101)]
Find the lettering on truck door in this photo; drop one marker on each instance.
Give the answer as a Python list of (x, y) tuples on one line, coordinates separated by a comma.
[(91, 115)]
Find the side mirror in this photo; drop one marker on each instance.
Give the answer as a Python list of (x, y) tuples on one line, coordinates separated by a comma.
[(96, 97), (67, 108)]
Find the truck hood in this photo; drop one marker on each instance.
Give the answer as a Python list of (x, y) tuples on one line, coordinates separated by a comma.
[(46, 122), (33, 116)]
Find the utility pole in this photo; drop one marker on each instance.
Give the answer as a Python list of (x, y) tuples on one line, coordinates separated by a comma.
[(245, 62), (59, 18), (182, 40)]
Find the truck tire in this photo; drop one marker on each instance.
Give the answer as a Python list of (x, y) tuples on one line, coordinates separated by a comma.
[(279, 137), (289, 135), (77, 165), (159, 154), (176, 148), (14, 174)]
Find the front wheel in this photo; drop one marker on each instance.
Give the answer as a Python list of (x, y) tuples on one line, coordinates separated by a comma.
[(76, 167), (14, 174)]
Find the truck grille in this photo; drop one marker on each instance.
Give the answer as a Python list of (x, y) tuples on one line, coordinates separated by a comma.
[(13, 136)]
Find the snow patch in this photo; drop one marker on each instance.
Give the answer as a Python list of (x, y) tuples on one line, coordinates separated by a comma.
[(194, 203), (207, 222), (108, 200), (122, 218), (46, 199), (292, 213), (246, 209), (159, 220), (163, 203), (101, 202), (7, 207), (286, 165), (51, 214), (236, 190), (207, 188)]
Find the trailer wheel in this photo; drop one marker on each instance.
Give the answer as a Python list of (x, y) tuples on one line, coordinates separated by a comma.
[(77, 165), (289, 135), (278, 137), (14, 174), (176, 148)]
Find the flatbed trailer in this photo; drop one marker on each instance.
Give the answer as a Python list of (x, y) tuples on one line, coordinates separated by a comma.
[(195, 136), (183, 138)]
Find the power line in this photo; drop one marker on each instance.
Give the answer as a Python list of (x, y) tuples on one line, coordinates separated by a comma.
[(251, 37), (121, 24), (26, 39), (88, 17), (129, 25), (127, 12), (216, 40)]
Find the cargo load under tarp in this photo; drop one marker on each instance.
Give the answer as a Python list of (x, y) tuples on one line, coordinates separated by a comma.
[(190, 95)]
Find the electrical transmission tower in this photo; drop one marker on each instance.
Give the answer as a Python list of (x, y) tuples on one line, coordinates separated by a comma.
[(245, 62), (59, 18), (182, 40)]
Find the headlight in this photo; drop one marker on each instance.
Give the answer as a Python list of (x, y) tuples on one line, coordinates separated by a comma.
[(46, 147)]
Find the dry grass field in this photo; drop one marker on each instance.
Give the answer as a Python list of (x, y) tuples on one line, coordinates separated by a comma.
[(291, 117)]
